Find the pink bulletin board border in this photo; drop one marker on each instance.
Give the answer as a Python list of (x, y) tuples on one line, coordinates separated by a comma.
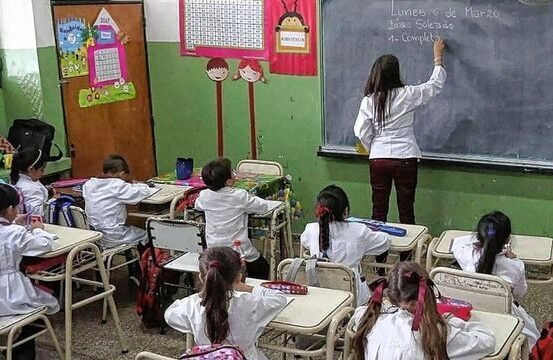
[(92, 64), (229, 53)]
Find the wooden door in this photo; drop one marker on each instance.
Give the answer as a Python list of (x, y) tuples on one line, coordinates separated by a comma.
[(122, 127)]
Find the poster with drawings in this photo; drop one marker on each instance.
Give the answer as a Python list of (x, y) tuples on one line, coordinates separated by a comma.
[(108, 74), (71, 36)]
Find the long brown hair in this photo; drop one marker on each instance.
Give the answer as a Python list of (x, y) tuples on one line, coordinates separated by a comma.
[(403, 287), (384, 77), (219, 267)]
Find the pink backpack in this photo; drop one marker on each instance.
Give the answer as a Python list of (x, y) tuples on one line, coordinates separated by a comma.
[(214, 352)]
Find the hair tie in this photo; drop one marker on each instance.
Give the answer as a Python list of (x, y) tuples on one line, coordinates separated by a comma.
[(491, 231), (37, 159), (321, 210), (377, 287), (423, 287), (214, 264)]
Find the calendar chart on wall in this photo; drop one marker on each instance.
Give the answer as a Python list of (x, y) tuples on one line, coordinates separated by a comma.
[(223, 28)]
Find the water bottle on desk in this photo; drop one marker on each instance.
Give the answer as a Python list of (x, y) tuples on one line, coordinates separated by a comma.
[(237, 246)]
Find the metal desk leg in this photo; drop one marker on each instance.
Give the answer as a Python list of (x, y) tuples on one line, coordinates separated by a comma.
[(288, 236), (420, 245), (429, 254)]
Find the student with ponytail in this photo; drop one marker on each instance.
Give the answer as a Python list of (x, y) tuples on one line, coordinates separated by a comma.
[(337, 240), (410, 327), (219, 314), (488, 251), (27, 168)]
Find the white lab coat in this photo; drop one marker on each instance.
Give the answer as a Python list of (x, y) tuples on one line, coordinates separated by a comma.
[(17, 293), (226, 217), (397, 139), (349, 242), (510, 270), (248, 315), (391, 338), (35, 195), (106, 201)]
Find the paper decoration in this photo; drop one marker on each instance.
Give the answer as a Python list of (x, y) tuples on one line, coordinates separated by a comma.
[(72, 36), (224, 28), (119, 91), (251, 71), (217, 70), (293, 38), (105, 19)]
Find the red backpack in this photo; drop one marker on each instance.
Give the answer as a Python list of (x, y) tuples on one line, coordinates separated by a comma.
[(543, 350)]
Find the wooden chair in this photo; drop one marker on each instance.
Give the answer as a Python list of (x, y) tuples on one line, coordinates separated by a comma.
[(261, 167), (10, 325)]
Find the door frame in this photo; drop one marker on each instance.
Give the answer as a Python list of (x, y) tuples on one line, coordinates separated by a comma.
[(54, 3)]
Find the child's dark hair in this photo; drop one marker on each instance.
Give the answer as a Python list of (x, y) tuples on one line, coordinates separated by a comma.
[(384, 77), (216, 173), (8, 197), (115, 163), (219, 267), (23, 160), (332, 203), (493, 232), (404, 284)]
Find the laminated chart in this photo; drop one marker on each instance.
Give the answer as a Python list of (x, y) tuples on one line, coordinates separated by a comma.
[(223, 28)]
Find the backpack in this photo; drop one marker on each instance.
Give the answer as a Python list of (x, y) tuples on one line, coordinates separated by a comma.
[(28, 133), (543, 350), (147, 298), (214, 352), (60, 205)]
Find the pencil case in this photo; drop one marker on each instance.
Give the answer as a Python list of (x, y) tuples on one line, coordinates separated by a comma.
[(375, 225), (456, 307), (286, 287)]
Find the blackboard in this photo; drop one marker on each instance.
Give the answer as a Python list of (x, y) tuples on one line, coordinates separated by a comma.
[(497, 104)]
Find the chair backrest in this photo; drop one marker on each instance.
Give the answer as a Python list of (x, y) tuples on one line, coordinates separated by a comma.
[(173, 234), (485, 292), (260, 167), (330, 275), (145, 355)]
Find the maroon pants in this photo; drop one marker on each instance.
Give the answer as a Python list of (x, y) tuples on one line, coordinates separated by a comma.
[(403, 172)]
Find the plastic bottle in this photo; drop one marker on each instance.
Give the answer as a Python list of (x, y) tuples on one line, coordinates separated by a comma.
[(237, 246)]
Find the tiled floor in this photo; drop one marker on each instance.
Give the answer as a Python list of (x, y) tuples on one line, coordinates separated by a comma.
[(93, 340)]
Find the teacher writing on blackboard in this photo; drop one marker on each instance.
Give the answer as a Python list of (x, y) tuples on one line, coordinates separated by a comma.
[(384, 126)]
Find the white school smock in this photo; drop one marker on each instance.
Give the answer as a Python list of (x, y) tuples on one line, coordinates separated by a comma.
[(510, 270), (397, 139), (226, 217), (349, 242), (106, 201), (248, 315), (391, 337), (17, 293), (35, 195)]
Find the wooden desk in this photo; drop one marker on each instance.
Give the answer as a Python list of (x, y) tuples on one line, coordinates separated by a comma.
[(532, 250), (166, 194), (83, 255)]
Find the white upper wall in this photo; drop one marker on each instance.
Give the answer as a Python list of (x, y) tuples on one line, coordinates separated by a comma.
[(17, 30), (44, 28), (162, 20)]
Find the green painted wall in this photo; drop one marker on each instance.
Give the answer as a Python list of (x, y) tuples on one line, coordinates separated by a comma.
[(288, 113)]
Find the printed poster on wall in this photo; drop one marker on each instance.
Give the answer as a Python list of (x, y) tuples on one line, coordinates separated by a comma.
[(108, 74), (72, 34)]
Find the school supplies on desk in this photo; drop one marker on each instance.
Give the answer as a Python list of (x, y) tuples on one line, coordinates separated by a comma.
[(171, 178), (455, 307), (376, 225), (68, 183), (286, 287)]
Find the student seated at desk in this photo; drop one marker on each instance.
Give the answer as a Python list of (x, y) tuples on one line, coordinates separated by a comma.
[(489, 252), (340, 241), (27, 168), (221, 312), (17, 293), (106, 199), (226, 214), (411, 328)]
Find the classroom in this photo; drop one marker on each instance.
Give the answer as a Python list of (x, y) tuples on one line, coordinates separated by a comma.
[(275, 87)]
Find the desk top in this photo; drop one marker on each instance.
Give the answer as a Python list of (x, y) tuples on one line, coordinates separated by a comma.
[(312, 312), (532, 250), (506, 328), (166, 194), (409, 241), (68, 238)]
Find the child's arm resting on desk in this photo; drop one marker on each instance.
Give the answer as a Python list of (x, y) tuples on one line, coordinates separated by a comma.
[(264, 304), (35, 243), (376, 242), (255, 204), (132, 194), (469, 340)]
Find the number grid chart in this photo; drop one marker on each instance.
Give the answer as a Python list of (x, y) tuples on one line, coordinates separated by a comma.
[(108, 67)]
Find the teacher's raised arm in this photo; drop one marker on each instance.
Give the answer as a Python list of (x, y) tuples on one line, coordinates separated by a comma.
[(384, 126)]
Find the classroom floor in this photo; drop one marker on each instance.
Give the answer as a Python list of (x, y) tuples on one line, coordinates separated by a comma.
[(93, 340)]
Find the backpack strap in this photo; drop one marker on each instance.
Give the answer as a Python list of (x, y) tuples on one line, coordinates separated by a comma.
[(293, 270), (53, 208), (68, 216), (55, 157), (311, 272)]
